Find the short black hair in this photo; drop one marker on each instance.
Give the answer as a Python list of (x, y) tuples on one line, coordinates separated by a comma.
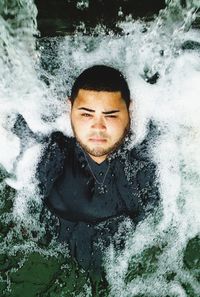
[(101, 78)]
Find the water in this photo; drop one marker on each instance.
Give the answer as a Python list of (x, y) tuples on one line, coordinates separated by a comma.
[(161, 257)]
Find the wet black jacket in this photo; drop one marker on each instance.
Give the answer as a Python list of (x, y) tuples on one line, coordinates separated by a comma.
[(89, 217)]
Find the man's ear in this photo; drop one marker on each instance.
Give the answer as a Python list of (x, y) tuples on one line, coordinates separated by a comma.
[(69, 104), (131, 106)]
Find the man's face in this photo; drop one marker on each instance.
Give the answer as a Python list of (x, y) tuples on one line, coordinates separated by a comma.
[(100, 121)]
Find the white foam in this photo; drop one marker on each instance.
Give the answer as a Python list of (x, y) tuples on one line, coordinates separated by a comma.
[(173, 103)]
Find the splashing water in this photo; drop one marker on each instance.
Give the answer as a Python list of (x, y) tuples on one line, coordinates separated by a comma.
[(161, 257)]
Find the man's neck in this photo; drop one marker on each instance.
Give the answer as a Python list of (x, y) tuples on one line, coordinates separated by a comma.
[(98, 159)]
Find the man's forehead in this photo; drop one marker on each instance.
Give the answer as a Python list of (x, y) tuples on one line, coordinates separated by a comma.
[(95, 98)]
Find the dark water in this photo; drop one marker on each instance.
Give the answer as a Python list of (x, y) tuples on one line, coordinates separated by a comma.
[(161, 60), (63, 17)]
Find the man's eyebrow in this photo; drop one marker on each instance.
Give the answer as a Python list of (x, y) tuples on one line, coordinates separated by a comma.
[(111, 111), (87, 109), (104, 112)]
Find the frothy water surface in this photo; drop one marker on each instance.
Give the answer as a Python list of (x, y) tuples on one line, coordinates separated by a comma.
[(161, 257)]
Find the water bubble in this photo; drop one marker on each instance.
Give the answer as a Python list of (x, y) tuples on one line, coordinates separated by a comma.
[(82, 4)]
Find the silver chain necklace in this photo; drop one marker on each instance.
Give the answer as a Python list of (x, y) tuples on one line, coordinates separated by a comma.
[(102, 188)]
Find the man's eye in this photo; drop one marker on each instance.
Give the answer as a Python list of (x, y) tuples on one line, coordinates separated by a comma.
[(87, 115), (111, 116)]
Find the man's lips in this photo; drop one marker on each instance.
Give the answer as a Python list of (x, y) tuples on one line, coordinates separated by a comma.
[(97, 139)]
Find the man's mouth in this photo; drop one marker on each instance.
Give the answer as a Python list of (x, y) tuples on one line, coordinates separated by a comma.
[(97, 139)]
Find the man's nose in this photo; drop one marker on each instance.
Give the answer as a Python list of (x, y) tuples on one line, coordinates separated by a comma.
[(99, 124)]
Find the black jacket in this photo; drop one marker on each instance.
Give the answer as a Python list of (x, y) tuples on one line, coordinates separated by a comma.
[(88, 217)]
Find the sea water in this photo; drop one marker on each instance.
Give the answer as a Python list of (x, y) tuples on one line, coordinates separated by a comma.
[(161, 61)]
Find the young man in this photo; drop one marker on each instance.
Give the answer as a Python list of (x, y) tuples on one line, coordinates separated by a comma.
[(92, 182)]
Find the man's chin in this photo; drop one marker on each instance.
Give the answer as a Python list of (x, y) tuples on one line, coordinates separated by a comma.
[(97, 151)]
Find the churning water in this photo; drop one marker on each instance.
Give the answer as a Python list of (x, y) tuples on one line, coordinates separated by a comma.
[(161, 60)]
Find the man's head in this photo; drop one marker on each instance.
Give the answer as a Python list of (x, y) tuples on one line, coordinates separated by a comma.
[(100, 100)]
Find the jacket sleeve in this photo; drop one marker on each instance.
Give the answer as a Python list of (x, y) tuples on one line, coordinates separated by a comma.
[(148, 186), (51, 162), (147, 180)]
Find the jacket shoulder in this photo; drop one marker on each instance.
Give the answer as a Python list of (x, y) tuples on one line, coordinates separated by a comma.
[(51, 161), (147, 176)]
